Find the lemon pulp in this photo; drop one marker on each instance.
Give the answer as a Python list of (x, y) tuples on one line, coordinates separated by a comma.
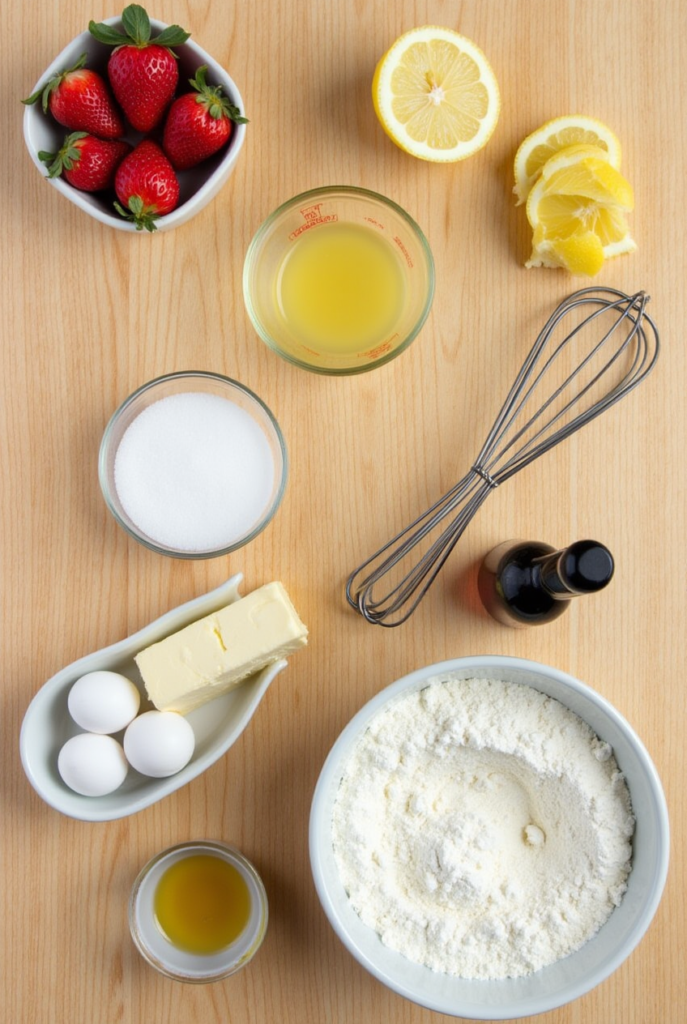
[(576, 209)]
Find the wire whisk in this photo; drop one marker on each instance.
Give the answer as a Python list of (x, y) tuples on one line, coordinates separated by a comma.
[(615, 358)]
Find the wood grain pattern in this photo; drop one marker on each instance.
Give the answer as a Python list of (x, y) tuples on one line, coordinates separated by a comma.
[(89, 314)]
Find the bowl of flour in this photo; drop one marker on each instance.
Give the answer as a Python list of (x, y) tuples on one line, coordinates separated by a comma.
[(489, 838)]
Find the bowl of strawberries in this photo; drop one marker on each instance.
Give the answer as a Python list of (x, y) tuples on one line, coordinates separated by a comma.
[(135, 123)]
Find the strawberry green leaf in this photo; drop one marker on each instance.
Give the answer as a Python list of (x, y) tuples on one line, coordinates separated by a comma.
[(81, 63), (198, 82), (173, 35), (66, 157), (213, 99), (107, 34), (51, 159), (136, 24), (141, 215)]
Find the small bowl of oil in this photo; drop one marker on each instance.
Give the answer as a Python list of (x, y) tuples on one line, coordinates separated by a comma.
[(338, 280), (198, 911)]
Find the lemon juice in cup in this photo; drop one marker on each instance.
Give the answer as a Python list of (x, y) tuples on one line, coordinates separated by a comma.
[(340, 289), (338, 280)]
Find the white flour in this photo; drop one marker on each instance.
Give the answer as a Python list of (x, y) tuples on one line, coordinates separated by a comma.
[(482, 829)]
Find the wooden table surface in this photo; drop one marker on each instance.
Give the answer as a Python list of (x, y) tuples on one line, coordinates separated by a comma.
[(89, 314)]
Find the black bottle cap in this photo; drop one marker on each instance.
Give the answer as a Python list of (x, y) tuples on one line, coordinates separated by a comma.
[(586, 566)]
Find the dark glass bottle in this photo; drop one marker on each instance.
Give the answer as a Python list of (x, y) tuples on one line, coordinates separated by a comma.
[(526, 583)]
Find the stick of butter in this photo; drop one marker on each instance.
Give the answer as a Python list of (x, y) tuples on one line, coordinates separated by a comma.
[(216, 653)]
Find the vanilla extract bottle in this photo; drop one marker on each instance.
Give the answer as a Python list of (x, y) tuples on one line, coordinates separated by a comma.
[(527, 583)]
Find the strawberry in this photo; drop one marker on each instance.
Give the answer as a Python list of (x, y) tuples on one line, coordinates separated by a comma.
[(86, 162), (146, 186), (143, 73), (79, 98), (199, 123)]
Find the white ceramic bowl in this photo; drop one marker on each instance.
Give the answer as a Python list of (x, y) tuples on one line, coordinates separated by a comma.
[(197, 186), (217, 725), (563, 981)]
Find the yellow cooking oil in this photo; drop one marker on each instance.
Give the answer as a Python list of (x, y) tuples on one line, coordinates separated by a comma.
[(340, 289), (202, 904)]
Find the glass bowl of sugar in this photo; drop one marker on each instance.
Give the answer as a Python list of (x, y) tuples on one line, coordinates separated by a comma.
[(193, 465)]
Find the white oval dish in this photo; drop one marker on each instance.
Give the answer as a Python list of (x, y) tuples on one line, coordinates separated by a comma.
[(551, 986), (198, 185), (217, 725)]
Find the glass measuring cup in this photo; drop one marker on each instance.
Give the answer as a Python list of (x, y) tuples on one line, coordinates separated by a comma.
[(338, 280)]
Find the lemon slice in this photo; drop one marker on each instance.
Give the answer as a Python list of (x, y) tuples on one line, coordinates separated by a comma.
[(435, 95), (582, 171), (540, 146), (579, 194), (581, 253)]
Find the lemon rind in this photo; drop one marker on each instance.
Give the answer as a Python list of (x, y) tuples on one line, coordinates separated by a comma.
[(524, 183)]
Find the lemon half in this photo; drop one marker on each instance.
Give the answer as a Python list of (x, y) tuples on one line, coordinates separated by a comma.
[(436, 95), (561, 132)]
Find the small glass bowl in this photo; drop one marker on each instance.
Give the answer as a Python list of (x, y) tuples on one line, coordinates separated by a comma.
[(175, 963), (179, 383), (310, 211)]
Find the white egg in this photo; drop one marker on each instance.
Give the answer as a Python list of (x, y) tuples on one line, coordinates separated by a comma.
[(103, 701), (159, 743), (92, 764)]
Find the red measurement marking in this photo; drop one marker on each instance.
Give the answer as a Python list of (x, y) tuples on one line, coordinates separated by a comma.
[(311, 212), (373, 353), (371, 220), (312, 221), (403, 249)]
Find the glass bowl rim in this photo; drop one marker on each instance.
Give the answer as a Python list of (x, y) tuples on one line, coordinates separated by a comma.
[(104, 452), (346, 190)]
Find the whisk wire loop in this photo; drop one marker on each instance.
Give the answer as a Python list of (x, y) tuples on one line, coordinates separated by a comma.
[(510, 446)]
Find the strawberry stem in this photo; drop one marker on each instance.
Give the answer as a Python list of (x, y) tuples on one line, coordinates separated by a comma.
[(142, 216), (136, 24), (213, 98), (66, 156)]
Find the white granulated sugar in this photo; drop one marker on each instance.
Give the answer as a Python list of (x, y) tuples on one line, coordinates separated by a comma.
[(194, 471), (482, 829)]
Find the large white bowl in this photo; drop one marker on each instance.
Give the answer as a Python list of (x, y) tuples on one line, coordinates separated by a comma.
[(217, 725), (198, 185), (563, 981)]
